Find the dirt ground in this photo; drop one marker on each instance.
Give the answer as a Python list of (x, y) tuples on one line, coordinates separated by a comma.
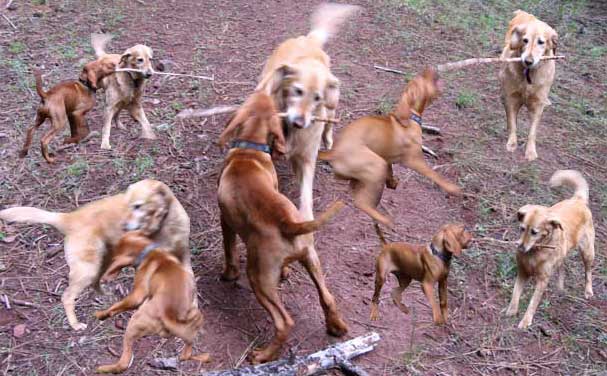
[(231, 40)]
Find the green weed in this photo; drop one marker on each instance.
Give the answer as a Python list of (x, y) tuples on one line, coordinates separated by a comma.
[(16, 47), (465, 99)]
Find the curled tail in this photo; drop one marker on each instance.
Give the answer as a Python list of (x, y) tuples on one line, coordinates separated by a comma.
[(327, 18), (35, 215), (39, 89), (572, 179), (99, 41), (380, 234), (300, 228)]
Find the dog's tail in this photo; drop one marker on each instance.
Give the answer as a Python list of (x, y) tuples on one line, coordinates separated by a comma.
[(99, 41), (35, 215), (572, 179), (380, 234), (39, 88), (300, 228), (327, 18), (326, 155)]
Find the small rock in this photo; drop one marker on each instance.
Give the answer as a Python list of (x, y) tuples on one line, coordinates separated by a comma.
[(2, 266), (164, 363), (19, 330)]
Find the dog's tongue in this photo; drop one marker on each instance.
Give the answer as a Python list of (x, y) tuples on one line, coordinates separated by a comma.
[(526, 73)]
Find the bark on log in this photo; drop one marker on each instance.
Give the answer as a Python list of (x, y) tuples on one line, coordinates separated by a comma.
[(335, 356)]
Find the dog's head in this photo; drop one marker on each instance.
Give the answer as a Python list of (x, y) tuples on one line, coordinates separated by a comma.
[(536, 226), (149, 203), (95, 71), (300, 89), (138, 57), (257, 121), (452, 238), (420, 92), (532, 38), (125, 253)]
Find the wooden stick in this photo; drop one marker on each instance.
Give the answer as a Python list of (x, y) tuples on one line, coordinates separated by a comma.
[(331, 357), (431, 129), (477, 61), (166, 73), (379, 67), (9, 21), (191, 113), (8, 4), (429, 151), (314, 118)]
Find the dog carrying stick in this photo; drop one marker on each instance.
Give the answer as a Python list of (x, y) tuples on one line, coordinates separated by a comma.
[(166, 74), (477, 61)]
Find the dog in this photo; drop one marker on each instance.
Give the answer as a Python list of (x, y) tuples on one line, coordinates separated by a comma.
[(367, 147), (124, 90), (94, 229), (427, 264), (547, 235), (298, 76), (163, 294), (268, 223), (528, 82), (66, 102)]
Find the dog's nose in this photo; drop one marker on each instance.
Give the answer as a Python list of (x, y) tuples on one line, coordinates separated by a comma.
[(148, 74), (521, 247), (299, 121), (528, 62)]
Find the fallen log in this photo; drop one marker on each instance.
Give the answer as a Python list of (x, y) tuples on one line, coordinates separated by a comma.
[(335, 356)]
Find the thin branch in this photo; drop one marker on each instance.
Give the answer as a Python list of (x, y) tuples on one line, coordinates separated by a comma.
[(429, 151), (191, 113), (9, 21), (379, 67), (166, 73), (477, 61)]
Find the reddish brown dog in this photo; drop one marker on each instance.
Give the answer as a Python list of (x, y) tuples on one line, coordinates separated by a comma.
[(367, 148), (163, 294), (271, 227), (65, 102), (425, 263)]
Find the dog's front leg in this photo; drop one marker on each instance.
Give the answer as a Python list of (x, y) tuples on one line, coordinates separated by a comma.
[(442, 294), (536, 112), (512, 106), (131, 301), (428, 288), (521, 279), (540, 286), (108, 115), (304, 170)]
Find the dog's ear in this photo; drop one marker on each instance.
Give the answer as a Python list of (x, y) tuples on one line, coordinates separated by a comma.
[(332, 92), (279, 145), (89, 75), (124, 59), (162, 199), (522, 212), (553, 40), (274, 81), (241, 115), (149, 51), (516, 38), (555, 223), (451, 241)]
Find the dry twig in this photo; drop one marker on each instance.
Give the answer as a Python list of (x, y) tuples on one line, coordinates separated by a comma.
[(166, 74)]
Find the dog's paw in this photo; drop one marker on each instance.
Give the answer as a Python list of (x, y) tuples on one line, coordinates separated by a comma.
[(230, 275), (511, 311), (530, 154), (78, 326), (336, 326), (22, 153), (102, 315), (588, 293), (374, 316), (111, 368), (525, 323), (511, 145), (106, 146), (259, 356)]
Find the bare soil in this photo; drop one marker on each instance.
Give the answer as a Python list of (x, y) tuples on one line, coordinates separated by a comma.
[(231, 41)]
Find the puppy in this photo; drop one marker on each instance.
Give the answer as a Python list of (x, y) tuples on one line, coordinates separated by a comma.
[(268, 223), (528, 82), (425, 263), (123, 90), (65, 102), (93, 229), (163, 294), (367, 147), (298, 76), (547, 235)]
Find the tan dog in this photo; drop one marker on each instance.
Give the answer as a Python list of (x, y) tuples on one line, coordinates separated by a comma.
[(93, 229), (163, 294), (298, 76), (528, 82), (427, 264), (67, 102), (123, 90), (267, 222), (367, 147), (547, 235)]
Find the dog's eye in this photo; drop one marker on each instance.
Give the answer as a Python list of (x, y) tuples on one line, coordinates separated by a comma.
[(534, 231), (297, 91), (540, 42), (522, 228), (140, 60), (137, 206), (317, 98), (525, 40)]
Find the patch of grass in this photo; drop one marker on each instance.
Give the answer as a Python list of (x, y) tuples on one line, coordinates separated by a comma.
[(143, 163), (119, 166), (2, 236), (78, 168), (385, 105), (38, 2), (598, 52), (506, 267), (465, 99), (177, 106), (16, 47)]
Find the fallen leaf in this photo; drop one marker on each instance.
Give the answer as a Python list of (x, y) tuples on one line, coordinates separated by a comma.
[(19, 331)]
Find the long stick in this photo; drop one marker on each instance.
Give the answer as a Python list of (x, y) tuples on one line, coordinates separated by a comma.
[(484, 60), (166, 73), (314, 118), (190, 113)]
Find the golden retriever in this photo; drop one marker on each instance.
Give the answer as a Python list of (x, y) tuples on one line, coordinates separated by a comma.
[(547, 235), (123, 90), (528, 82), (94, 229), (298, 76)]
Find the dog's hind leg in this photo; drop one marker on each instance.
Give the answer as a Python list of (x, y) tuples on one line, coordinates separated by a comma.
[(82, 275), (137, 113), (397, 293), (231, 270), (40, 117), (587, 252), (58, 121), (335, 324)]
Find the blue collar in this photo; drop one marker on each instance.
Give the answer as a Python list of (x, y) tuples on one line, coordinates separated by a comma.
[(146, 251), (243, 144), (416, 118), (446, 257)]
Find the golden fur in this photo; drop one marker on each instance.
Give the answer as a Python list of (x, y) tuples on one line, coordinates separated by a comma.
[(93, 229), (547, 235)]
